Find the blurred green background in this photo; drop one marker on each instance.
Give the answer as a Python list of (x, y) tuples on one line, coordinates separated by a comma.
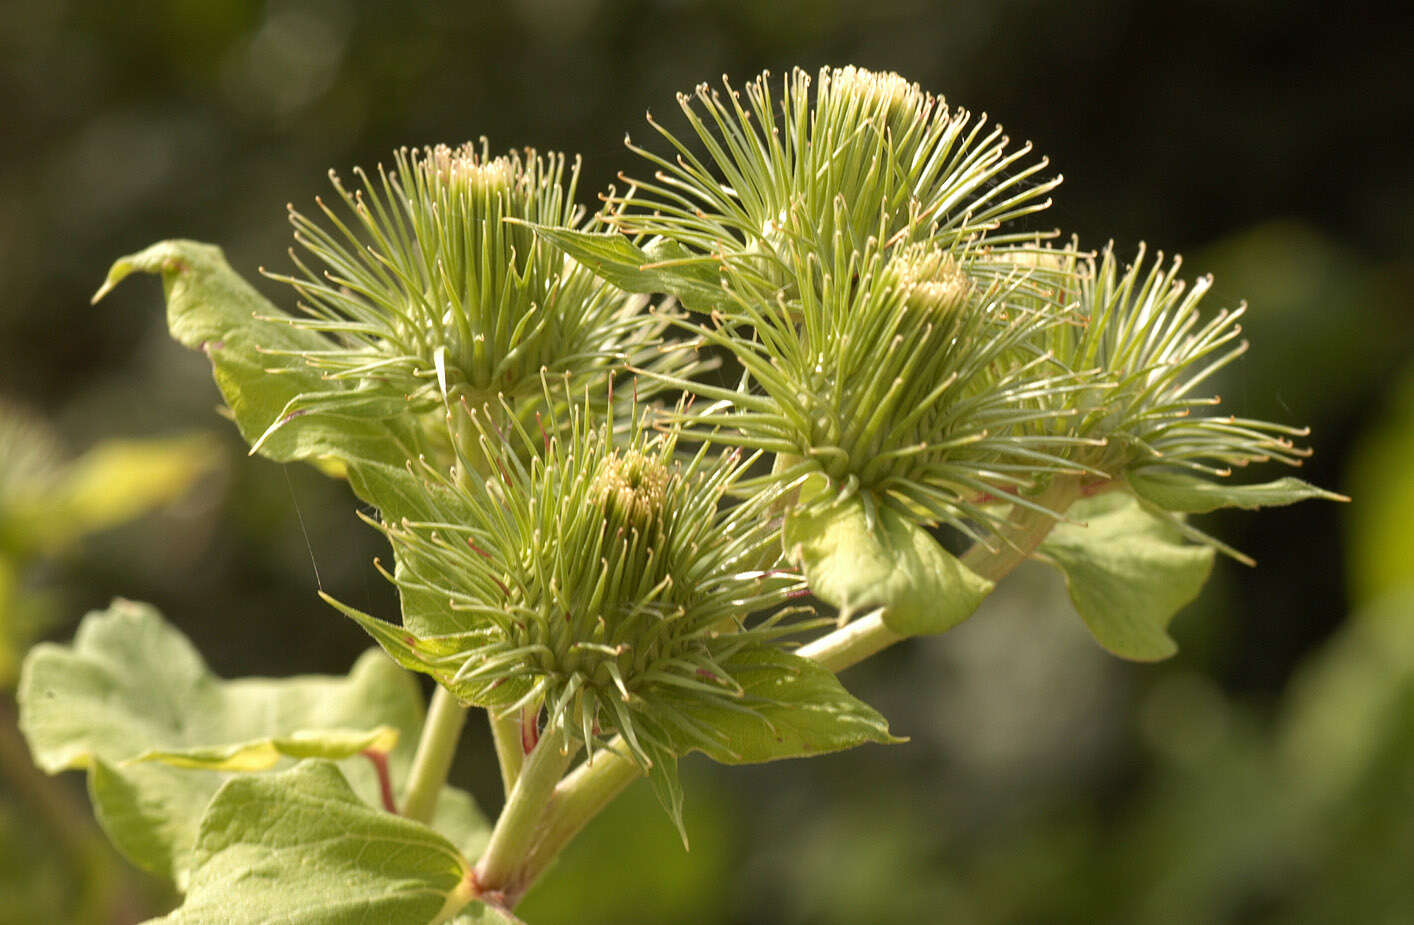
[(1265, 774)]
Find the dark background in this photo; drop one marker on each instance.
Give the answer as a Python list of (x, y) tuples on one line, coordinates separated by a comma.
[(1046, 781)]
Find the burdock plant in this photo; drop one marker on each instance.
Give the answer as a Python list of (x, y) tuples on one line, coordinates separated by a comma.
[(621, 558)]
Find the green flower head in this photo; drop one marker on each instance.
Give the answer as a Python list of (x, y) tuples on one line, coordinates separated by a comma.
[(605, 579), (431, 290), (865, 155), (910, 375), (1144, 328)]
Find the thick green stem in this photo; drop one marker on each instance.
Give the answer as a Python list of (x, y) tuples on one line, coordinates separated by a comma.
[(510, 748), (435, 750), (1028, 528), (851, 643), (499, 870)]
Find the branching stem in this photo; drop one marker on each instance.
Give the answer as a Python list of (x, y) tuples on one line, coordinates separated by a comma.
[(576, 800), (499, 870), (1028, 528), (851, 643)]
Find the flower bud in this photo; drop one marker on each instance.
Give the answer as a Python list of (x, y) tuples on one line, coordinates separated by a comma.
[(932, 283), (465, 172), (630, 487), (438, 291), (898, 105)]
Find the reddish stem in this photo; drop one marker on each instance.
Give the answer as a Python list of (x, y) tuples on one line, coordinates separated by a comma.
[(529, 730), (385, 781)]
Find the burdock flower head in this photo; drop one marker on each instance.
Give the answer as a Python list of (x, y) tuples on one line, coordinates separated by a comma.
[(431, 292), (896, 374), (606, 586), (913, 356), (866, 155), (1150, 417)]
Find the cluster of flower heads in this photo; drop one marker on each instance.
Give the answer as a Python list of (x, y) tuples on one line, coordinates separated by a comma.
[(858, 248), (912, 354), (901, 332), (560, 560)]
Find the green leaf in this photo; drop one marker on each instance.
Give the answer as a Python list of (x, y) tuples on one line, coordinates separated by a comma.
[(892, 563), (130, 683), (1188, 494), (790, 708), (667, 788), (1128, 572), (429, 655), (263, 754), (283, 406), (664, 266), (300, 846)]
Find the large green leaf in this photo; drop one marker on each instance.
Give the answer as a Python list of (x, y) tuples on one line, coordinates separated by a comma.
[(664, 266), (891, 563), (283, 406), (1128, 572), (790, 708), (1189, 494), (300, 846), (131, 684)]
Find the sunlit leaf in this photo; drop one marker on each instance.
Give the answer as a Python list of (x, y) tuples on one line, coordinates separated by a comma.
[(891, 563), (790, 708), (1128, 573), (434, 656), (1187, 494), (662, 267), (287, 409)]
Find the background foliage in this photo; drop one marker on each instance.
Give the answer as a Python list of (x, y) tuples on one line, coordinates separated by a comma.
[(1264, 774)]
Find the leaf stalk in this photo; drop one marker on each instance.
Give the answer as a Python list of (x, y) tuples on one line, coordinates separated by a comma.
[(435, 750)]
